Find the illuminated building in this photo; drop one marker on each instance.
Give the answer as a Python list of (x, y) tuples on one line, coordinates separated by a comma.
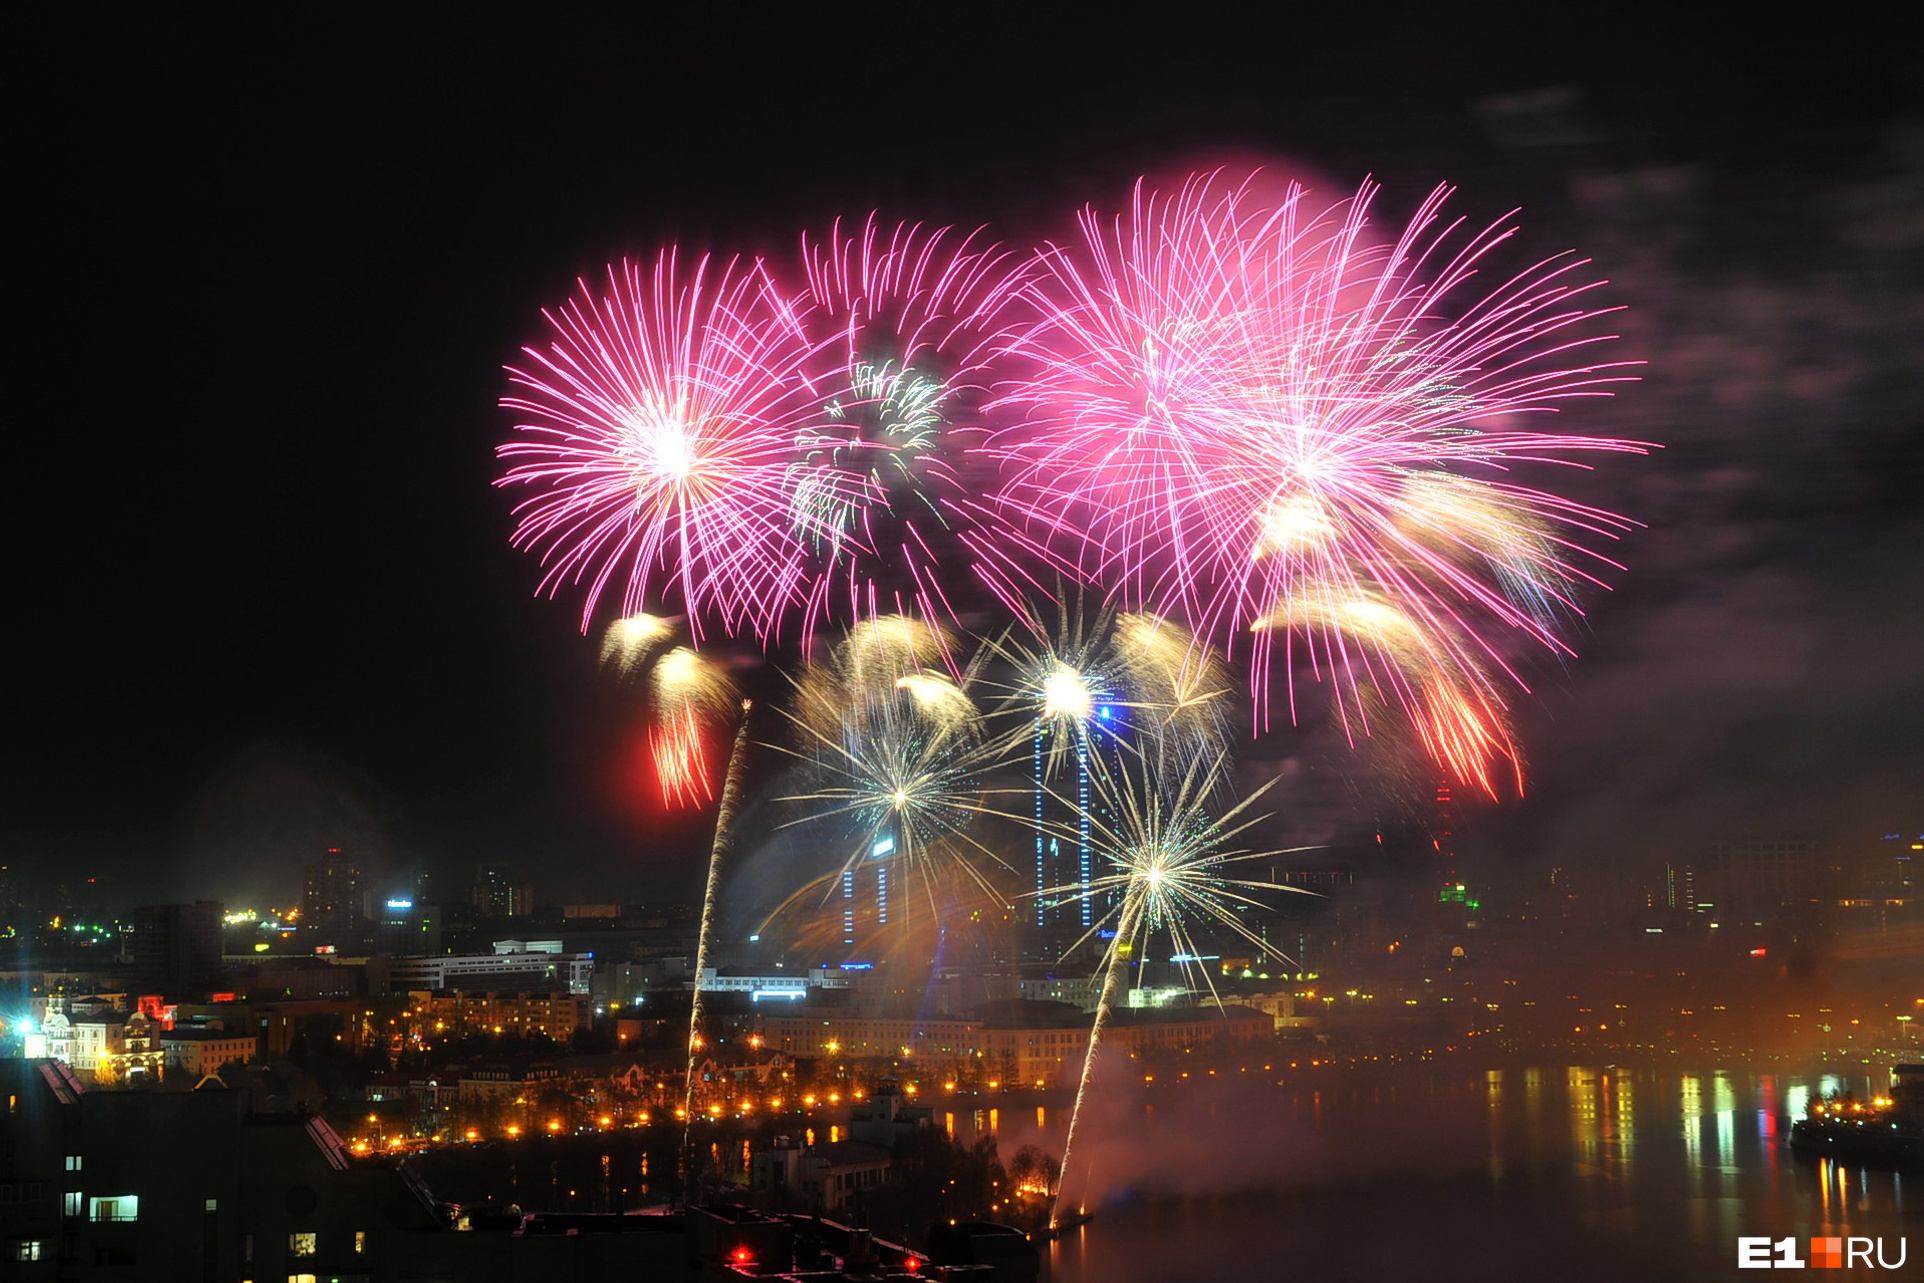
[(494, 895), (331, 897), (459, 1013), (774, 986), (199, 1050), (1064, 852), (407, 928), (514, 964), (871, 874)]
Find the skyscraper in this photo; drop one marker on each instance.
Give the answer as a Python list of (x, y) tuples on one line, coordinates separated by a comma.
[(1065, 802), (331, 902), (495, 895)]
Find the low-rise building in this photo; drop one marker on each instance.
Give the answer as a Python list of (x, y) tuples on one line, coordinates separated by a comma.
[(199, 1050), (821, 1177), (459, 1013)]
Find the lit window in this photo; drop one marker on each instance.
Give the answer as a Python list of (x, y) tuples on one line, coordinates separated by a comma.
[(121, 1207), (26, 1249), (71, 1205), (213, 1204), (302, 1278), (360, 1242), (300, 1244), (73, 1162)]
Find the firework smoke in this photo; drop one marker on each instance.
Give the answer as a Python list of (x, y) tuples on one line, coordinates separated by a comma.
[(1170, 871)]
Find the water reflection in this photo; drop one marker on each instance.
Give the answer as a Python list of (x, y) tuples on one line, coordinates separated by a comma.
[(1602, 1170)]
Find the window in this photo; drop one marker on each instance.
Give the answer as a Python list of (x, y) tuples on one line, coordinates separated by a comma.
[(213, 1204), (71, 1204), (73, 1162), (300, 1244), (301, 1278), (26, 1249), (360, 1242), (121, 1207)]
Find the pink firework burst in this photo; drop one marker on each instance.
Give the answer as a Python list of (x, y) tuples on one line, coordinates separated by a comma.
[(658, 435), (902, 321), (1261, 420)]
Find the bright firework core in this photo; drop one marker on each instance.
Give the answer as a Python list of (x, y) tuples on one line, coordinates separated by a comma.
[(1066, 693)]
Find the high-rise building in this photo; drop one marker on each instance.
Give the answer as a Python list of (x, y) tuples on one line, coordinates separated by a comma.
[(331, 901), (176, 946), (494, 895), (870, 874), (1065, 802)]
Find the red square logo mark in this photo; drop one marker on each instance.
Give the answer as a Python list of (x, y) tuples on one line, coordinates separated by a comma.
[(1827, 1254)]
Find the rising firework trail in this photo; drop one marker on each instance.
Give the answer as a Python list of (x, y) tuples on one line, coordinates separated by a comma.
[(1226, 398), (724, 819), (1169, 872)]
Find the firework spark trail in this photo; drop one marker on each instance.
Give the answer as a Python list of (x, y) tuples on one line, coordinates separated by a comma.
[(690, 695), (658, 437), (724, 818), (1154, 827), (899, 752), (903, 320), (629, 643), (1223, 400), (1111, 979), (1448, 697)]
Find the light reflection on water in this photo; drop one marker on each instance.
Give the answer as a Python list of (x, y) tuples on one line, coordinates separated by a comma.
[(1584, 1172)]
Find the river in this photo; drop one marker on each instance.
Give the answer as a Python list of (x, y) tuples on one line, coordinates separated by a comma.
[(1568, 1173)]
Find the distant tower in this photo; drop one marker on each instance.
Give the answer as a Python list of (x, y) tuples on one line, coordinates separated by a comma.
[(1443, 821), (1062, 808), (871, 872), (496, 895), (331, 903)]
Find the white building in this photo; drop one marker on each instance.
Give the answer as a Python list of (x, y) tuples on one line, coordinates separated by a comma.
[(514, 964), (775, 985)]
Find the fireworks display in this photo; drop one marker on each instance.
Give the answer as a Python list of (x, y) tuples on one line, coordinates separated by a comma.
[(1226, 401), (1242, 425), (904, 319), (1219, 409), (658, 439), (691, 697), (897, 760), (1170, 872), (631, 642)]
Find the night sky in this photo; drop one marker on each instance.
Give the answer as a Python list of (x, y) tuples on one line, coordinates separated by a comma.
[(270, 271)]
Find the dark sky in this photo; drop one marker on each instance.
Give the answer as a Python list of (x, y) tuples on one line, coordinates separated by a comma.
[(263, 596)]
